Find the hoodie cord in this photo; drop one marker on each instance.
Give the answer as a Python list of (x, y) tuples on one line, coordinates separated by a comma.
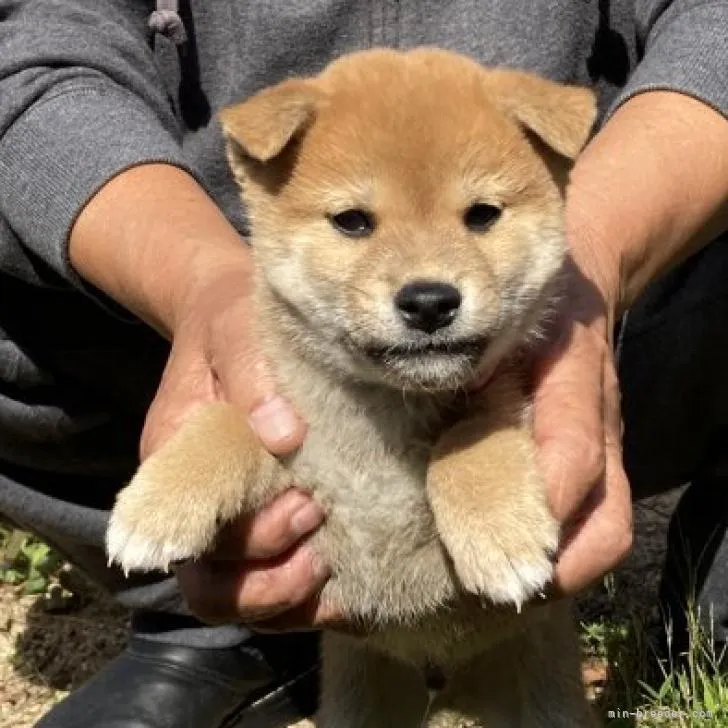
[(166, 21)]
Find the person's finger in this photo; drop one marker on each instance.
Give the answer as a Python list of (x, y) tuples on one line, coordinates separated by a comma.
[(223, 591), (272, 530), (603, 538), (612, 408), (568, 421), (186, 382), (277, 424), (313, 614), (245, 380)]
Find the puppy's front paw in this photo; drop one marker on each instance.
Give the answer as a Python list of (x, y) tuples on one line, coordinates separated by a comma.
[(489, 500), (208, 472), (160, 518), (506, 557)]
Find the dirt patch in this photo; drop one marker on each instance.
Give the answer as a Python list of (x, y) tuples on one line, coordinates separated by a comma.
[(44, 654)]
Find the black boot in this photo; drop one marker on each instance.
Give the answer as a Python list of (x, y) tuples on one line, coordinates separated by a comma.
[(269, 681)]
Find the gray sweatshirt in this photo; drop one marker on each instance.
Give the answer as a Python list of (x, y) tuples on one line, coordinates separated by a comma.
[(88, 90)]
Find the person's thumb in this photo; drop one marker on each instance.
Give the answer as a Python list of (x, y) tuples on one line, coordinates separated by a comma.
[(186, 383), (246, 381)]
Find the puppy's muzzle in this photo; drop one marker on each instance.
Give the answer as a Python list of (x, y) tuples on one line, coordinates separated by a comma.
[(428, 305)]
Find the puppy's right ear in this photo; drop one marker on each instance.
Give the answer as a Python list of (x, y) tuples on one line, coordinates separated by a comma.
[(261, 127)]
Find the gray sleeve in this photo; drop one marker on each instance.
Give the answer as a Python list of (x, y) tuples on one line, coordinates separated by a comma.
[(81, 100), (685, 49)]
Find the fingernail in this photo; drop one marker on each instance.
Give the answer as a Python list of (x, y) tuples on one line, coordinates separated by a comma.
[(305, 519), (274, 420)]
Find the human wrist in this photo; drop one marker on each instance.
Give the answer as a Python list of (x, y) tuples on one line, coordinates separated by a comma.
[(209, 274), (189, 270), (147, 236), (595, 263), (648, 191)]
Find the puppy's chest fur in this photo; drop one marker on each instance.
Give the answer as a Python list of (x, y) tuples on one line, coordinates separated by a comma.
[(365, 458)]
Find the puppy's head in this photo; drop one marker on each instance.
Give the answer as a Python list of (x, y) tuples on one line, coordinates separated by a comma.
[(404, 208)]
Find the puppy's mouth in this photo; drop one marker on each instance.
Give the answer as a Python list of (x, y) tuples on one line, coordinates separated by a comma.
[(470, 347)]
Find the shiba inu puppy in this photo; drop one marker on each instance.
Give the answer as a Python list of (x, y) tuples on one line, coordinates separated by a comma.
[(406, 222)]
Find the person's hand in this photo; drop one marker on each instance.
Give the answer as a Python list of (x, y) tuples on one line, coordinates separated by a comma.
[(632, 212), (261, 572), (154, 241), (261, 567), (215, 355), (577, 427)]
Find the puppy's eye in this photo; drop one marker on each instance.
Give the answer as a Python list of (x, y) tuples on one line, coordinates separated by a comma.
[(353, 223), (479, 217)]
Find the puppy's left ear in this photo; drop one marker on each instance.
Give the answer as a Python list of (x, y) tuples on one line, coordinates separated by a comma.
[(561, 116), (261, 127)]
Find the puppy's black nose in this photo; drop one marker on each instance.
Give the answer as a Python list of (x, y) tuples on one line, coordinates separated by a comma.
[(428, 305)]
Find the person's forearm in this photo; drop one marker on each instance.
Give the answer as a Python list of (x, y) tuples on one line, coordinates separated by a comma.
[(145, 236), (648, 190)]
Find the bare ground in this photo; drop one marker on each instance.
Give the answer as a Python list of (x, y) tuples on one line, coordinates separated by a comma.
[(44, 653)]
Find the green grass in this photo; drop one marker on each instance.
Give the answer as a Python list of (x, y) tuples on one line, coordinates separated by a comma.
[(642, 690), (25, 561)]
